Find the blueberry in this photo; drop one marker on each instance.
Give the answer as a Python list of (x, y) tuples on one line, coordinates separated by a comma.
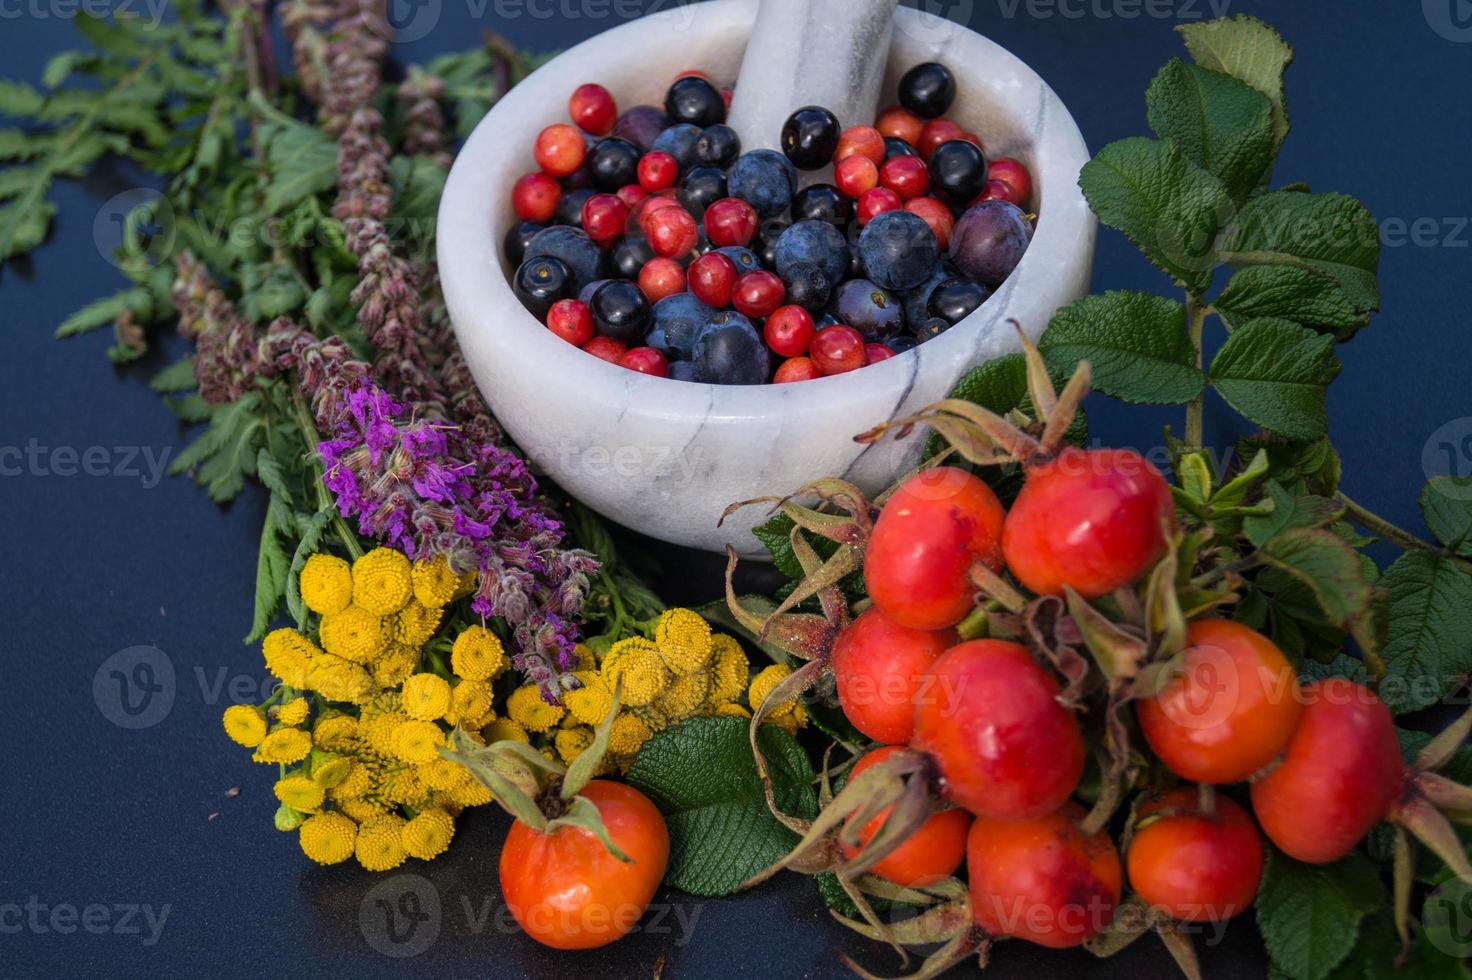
[(585, 295), (541, 281), (933, 327), (694, 100), (957, 171), (621, 311), (718, 146), (682, 371), (825, 319), (702, 187), (823, 202), (855, 262), (629, 256), (928, 90), (901, 343), (899, 249), (679, 142), (813, 241), (517, 237), (810, 137), (988, 241), (872, 310), (746, 260), (916, 301), (731, 352), (767, 236), (766, 180), (807, 285), (570, 207), (956, 299), (641, 125), (678, 320), (574, 248), (614, 163), (898, 146)]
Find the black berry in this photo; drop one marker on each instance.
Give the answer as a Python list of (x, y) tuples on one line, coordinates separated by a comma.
[(620, 311), (810, 137), (928, 90), (957, 172), (696, 101), (614, 163), (822, 202), (542, 281)]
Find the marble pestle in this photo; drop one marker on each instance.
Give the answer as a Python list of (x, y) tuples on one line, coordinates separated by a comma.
[(830, 53)]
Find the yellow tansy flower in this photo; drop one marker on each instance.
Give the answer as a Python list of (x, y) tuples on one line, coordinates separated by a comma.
[(470, 704), (442, 774), (380, 846), (354, 634), (572, 742), (289, 656), (358, 782), (340, 680), (434, 584), (300, 792), (684, 640), (526, 708), (683, 695), (382, 582), (586, 659), (395, 666), (417, 741), (628, 734), (729, 670), (326, 584), (328, 838), (403, 786), (286, 745), (361, 810), (589, 704), (638, 663), (415, 623), (505, 730), (428, 834), (293, 712), (478, 655), (765, 682), (245, 725), (731, 710), (426, 697), (378, 728), (336, 733), (471, 793)]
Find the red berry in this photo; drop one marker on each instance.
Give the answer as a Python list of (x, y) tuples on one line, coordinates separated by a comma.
[(856, 174), (1340, 775), (796, 369), (712, 278), (906, 176), (862, 140), (672, 232), (606, 349), (658, 171), (999, 190), (1003, 746), (692, 73), (560, 149), (632, 195), (661, 277), (939, 217), (758, 293), (874, 353), (933, 529), (1093, 520), (534, 197), (1014, 173), (731, 221), (901, 122), (604, 217), (837, 349), (789, 331), (571, 320), (936, 132), (879, 667), (933, 851), (727, 94), (876, 201), (1192, 866), (646, 360), (1042, 880), (593, 109)]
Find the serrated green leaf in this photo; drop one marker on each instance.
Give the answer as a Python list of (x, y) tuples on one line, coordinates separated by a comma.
[(61, 66), (1251, 52), (272, 566), (999, 385), (1329, 233), (19, 99), (702, 776), (1326, 564), (24, 223), (1290, 512), (98, 313), (1310, 914), (303, 162), (1167, 205), (1304, 296), (1221, 124), (1275, 373), (775, 537), (177, 377), (1341, 666), (222, 456), (1446, 505), (16, 144), (1136, 343), (1429, 643)]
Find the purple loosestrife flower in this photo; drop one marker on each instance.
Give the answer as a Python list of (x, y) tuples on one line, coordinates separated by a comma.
[(427, 489)]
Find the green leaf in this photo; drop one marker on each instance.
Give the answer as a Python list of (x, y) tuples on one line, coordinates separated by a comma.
[(1136, 343), (1167, 205), (999, 385), (1251, 52), (19, 99), (1304, 296), (222, 456), (1290, 512), (98, 313), (1275, 373), (310, 530), (1310, 914), (1329, 233), (1327, 565), (23, 225), (1446, 505), (1221, 125), (177, 377), (702, 776), (272, 566), (303, 162), (1429, 644)]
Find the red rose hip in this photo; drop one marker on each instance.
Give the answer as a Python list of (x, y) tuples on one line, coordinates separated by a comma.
[(646, 360), (604, 217), (534, 197), (712, 278), (661, 277), (796, 369), (658, 171), (730, 221), (672, 232), (906, 176)]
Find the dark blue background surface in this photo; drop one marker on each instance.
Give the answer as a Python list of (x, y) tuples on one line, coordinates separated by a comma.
[(97, 814)]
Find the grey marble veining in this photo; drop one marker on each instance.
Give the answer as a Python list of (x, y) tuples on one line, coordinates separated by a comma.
[(666, 457)]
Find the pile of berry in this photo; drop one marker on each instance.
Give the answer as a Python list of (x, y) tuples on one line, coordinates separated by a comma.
[(650, 240)]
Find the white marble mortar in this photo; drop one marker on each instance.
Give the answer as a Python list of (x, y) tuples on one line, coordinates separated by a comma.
[(665, 457)]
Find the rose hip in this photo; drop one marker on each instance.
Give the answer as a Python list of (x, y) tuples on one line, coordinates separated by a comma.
[(789, 331), (906, 176), (712, 278), (646, 360), (936, 215), (661, 277), (604, 217), (796, 369), (606, 349), (571, 320), (862, 140), (876, 201), (560, 149), (671, 231), (658, 171), (856, 174), (758, 293), (534, 197), (837, 349), (731, 221), (593, 109)]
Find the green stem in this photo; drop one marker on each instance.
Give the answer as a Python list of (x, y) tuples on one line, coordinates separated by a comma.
[(1398, 536), (324, 502), (1196, 410)]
